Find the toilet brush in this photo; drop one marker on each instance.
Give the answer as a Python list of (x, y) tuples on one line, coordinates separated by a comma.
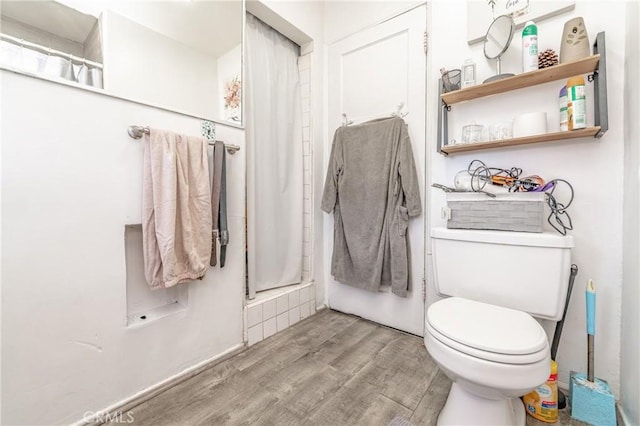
[(591, 398), (562, 401)]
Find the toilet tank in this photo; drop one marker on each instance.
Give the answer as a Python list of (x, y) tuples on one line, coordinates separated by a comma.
[(519, 270)]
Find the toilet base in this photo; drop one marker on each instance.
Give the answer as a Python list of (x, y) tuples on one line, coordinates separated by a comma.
[(464, 408)]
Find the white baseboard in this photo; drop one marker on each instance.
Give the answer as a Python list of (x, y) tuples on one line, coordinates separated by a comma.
[(121, 407), (623, 415)]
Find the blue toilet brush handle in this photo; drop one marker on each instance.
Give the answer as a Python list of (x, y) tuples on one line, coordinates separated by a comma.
[(591, 327)]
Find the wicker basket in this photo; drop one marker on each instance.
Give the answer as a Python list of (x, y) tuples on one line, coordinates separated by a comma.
[(519, 211)]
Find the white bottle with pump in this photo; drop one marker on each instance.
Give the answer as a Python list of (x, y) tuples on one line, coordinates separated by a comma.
[(530, 47)]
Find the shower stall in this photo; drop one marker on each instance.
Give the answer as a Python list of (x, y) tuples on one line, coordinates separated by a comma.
[(275, 177)]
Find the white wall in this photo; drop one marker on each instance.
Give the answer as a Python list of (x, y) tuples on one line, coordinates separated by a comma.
[(630, 335), (71, 181), (43, 38), (593, 167), (93, 44), (138, 61)]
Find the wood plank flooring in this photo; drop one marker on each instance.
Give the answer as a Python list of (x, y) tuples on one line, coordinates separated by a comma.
[(330, 369)]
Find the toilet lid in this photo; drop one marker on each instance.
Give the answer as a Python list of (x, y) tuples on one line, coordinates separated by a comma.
[(487, 327)]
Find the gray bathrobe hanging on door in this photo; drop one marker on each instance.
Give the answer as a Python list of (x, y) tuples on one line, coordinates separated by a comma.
[(372, 188)]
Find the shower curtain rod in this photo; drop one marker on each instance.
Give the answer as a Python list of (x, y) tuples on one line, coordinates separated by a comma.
[(48, 50), (136, 132)]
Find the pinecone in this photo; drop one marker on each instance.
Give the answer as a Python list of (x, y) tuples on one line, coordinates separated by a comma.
[(548, 58)]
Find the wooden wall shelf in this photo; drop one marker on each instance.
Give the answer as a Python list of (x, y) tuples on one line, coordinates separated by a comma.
[(546, 137), (527, 79), (595, 65)]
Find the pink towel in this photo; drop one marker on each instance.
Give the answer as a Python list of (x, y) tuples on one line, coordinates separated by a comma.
[(176, 208)]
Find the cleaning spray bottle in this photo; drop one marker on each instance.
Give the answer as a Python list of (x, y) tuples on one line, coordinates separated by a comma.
[(530, 47), (542, 402)]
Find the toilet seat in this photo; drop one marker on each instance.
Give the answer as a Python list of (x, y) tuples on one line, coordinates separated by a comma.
[(488, 332)]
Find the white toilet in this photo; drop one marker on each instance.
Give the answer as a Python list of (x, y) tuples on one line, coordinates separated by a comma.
[(484, 337)]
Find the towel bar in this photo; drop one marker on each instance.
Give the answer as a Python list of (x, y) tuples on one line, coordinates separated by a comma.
[(136, 132)]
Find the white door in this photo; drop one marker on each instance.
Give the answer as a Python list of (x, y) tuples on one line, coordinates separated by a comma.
[(370, 73)]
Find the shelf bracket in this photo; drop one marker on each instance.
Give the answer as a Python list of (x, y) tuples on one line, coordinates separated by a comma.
[(601, 114), (443, 122)]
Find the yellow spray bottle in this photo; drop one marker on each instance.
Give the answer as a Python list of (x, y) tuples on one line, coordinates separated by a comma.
[(542, 402)]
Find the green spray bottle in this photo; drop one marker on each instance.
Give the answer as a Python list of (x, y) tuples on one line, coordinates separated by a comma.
[(530, 47)]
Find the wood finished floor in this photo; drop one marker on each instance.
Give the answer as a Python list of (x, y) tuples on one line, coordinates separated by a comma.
[(330, 369)]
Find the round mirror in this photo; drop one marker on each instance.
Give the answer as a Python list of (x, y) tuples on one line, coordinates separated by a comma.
[(497, 41), (498, 37)]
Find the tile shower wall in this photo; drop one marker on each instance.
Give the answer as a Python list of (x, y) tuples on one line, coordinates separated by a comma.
[(268, 316), (304, 67)]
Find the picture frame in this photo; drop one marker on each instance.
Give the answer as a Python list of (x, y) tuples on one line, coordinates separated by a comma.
[(481, 13)]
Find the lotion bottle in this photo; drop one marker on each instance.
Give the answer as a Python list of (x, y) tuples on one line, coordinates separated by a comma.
[(564, 114), (576, 103)]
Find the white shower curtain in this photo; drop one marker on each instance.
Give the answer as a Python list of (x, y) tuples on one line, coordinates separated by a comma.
[(36, 62), (274, 158)]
